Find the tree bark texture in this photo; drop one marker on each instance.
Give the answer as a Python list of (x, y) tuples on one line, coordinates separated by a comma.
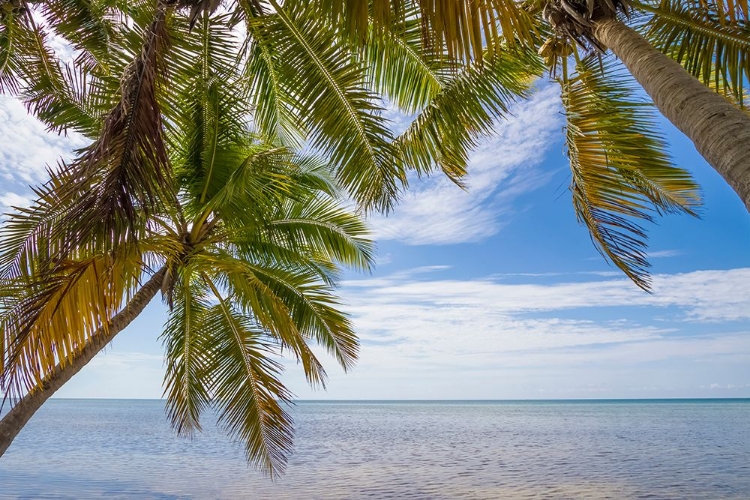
[(718, 128), (24, 409)]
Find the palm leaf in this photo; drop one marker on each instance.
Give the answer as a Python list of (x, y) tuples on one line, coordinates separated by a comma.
[(620, 172), (187, 355), (466, 107), (87, 25), (47, 318), (710, 39), (274, 114), (333, 102), (11, 43), (321, 228), (252, 293), (402, 68), (245, 386), (124, 174), (457, 27)]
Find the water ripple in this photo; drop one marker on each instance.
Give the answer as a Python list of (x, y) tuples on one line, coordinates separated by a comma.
[(124, 449)]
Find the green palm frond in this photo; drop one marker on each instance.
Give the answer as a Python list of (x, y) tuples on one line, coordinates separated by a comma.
[(245, 386), (206, 109), (87, 25), (314, 310), (402, 68), (710, 39), (243, 195), (253, 289), (75, 100), (33, 238), (188, 353), (272, 100), (323, 229), (620, 172), (59, 94), (445, 132), (335, 105), (25, 242), (12, 40), (63, 96)]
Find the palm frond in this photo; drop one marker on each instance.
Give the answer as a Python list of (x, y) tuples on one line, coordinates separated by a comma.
[(257, 299), (621, 173), (334, 104), (47, 318), (274, 114), (11, 46), (711, 39), (402, 68), (457, 27), (313, 309), (124, 174), (188, 353), (63, 96), (445, 132), (321, 228), (87, 25), (244, 383)]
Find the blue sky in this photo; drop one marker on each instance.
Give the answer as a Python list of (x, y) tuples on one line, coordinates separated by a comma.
[(495, 292)]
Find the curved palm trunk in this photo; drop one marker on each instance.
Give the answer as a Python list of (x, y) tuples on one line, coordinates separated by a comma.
[(14, 421), (719, 130)]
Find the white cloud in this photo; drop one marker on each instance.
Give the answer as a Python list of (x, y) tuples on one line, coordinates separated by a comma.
[(436, 211), (10, 199), (704, 295), (426, 337), (664, 253), (27, 146)]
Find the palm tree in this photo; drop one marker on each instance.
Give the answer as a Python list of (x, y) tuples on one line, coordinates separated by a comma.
[(171, 169), (253, 278), (710, 39), (245, 252), (176, 185)]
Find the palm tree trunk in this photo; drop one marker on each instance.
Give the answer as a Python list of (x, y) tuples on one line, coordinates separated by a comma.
[(719, 129), (23, 410)]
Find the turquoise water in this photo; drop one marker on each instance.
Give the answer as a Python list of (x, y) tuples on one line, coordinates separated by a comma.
[(81, 449)]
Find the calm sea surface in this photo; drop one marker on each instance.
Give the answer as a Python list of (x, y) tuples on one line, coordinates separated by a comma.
[(81, 449)]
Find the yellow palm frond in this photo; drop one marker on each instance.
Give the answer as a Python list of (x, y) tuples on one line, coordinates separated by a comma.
[(46, 319), (457, 27), (620, 172)]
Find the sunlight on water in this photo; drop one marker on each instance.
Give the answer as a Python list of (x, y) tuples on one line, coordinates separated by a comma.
[(124, 449)]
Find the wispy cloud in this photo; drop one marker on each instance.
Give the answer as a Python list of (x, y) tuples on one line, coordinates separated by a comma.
[(436, 211), (664, 254), (702, 295), (27, 146), (10, 199), (421, 333)]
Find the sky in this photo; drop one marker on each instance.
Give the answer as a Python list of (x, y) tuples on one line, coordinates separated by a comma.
[(494, 292)]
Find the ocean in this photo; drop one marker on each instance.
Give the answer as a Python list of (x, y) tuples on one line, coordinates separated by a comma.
[(651, 449)]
